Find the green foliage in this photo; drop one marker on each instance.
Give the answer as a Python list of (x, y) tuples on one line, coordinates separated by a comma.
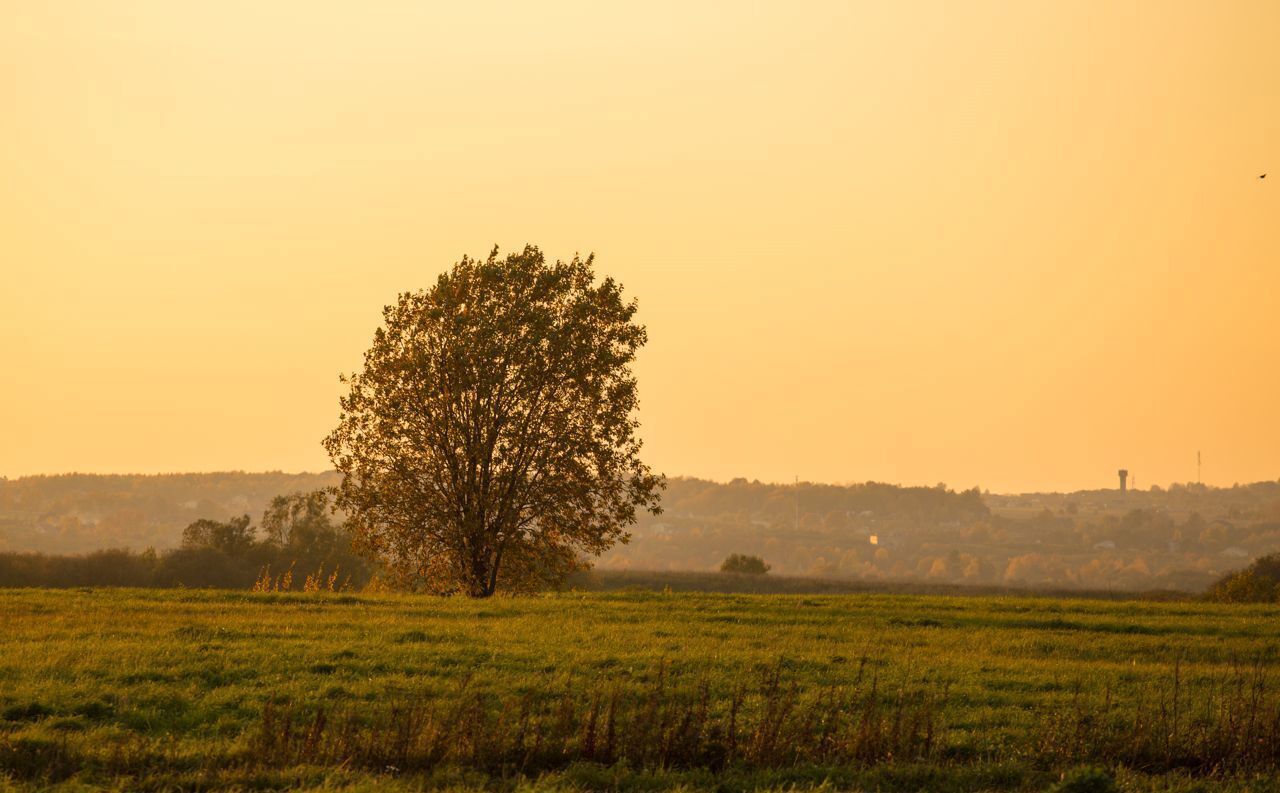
[(490, 440), (741, 563)]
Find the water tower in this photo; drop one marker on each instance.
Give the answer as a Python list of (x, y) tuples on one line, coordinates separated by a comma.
[(1124, 477)]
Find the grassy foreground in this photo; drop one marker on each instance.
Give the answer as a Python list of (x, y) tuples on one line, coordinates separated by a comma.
[(141, 689)]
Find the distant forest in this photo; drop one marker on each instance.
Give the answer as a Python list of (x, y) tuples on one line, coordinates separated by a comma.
[(1180, 538)]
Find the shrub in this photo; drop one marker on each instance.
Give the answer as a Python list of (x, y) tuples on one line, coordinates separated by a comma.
[(1257, 583), (741, 563)]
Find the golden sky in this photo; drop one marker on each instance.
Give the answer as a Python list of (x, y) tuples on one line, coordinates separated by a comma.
[(1012, 244)]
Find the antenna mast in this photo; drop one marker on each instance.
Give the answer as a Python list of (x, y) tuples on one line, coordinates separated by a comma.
[(797, 503)]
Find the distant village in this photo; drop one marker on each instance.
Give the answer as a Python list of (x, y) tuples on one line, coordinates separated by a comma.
[(1180, 538)]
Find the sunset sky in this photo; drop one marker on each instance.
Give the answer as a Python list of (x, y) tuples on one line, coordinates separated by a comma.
[(1016, 245)]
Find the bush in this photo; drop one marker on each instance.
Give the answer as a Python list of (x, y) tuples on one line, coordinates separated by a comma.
[(1257, 583), (185, 567), (741, 563)]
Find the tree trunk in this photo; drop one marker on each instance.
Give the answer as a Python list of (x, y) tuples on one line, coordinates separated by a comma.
[(481, 583)]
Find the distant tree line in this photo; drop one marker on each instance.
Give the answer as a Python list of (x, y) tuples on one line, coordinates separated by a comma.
[(1184, 537), (297, 532), (80, 513)]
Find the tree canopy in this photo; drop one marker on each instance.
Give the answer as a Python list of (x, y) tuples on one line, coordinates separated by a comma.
[(302, 522), (490, 441), (233, 537)]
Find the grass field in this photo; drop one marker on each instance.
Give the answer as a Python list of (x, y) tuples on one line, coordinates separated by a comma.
[(156, 690)]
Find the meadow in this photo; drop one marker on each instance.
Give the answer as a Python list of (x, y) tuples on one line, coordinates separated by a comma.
[(194, 689)]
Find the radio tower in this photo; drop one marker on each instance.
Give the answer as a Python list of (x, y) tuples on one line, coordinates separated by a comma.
[(797, 503), (1197, 466)]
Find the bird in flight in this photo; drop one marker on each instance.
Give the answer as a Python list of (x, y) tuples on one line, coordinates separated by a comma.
[(1264, 176)]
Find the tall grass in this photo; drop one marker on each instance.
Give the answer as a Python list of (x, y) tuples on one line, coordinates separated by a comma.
[(769, 724), (314, 582), (1224, 724), (1220, 726)]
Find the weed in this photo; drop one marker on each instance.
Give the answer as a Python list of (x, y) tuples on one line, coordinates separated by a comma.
[(772, 724), (1225, 724)]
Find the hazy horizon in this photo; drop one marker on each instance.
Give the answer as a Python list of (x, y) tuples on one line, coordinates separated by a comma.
[(1142, 486), (1017, 246)]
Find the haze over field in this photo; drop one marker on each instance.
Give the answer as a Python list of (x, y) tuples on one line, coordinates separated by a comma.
[(870, 534), (1014, 245)]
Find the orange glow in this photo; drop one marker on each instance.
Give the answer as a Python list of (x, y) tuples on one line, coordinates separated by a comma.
[(1019, 245)]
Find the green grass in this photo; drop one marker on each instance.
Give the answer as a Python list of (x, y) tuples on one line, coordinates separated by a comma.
[(139, 689)]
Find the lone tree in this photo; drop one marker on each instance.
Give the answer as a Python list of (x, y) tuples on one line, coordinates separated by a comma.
[(490, 441)]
